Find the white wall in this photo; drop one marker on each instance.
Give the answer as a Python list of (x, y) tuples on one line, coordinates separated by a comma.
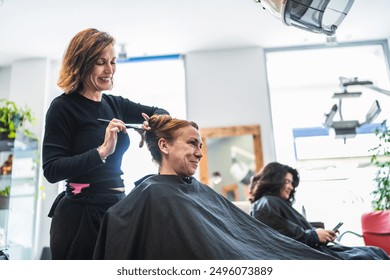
[(29, 82), (5, 79), (229, 87)]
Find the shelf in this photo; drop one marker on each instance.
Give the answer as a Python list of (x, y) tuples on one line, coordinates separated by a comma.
[(6, 145), (4, 202), (17, 221), (5, 177)]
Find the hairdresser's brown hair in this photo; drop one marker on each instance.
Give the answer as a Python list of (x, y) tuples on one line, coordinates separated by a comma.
[(163, 126), (79, 58)]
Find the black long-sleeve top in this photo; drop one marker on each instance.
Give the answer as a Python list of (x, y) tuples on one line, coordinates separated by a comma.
[(73, 133)]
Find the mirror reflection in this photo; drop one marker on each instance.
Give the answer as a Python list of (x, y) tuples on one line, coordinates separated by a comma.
[(231, 156)]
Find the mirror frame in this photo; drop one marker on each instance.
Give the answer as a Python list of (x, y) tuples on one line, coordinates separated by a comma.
[(242, 130)]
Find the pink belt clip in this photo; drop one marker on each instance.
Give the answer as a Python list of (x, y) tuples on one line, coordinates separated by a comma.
[(78, 187)]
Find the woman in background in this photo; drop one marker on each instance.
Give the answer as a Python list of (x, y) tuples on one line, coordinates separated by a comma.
[(272, 193), (83, 151), (171, 215)]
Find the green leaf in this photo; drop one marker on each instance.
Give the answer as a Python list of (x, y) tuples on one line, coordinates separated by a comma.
[(13, 119), (381, 158)]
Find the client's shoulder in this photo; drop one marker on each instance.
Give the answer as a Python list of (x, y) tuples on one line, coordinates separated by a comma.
[(267, 200), (157, 183)]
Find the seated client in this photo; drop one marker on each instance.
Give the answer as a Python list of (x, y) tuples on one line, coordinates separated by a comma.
[(171, 215), (272, 195)]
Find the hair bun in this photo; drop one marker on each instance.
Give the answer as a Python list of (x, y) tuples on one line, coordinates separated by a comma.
[(157, 121)]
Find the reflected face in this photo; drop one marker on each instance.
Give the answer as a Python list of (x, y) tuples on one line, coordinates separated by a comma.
[(287, 187), (184, 153), (101, 75)]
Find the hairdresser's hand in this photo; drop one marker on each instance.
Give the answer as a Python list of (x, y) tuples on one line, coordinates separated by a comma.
[(110, 138), (146, 122), (325, 235)]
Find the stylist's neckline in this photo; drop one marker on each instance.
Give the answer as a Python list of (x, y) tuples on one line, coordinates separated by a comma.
[(97, 97)]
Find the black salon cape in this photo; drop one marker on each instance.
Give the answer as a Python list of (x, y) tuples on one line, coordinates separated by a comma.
[(281, 216), (170, 217)]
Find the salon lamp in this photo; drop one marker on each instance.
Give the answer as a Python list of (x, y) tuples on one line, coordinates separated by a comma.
[(215, 179), (347, 128), (319, 16), (240, 170)]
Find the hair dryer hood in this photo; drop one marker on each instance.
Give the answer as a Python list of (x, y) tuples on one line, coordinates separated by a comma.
[(319, 16)]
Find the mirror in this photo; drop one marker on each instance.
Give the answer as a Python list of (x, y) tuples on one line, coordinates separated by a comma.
[(231, 156)]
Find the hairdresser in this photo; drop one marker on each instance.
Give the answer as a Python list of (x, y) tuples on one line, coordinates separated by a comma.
[(83, 151)]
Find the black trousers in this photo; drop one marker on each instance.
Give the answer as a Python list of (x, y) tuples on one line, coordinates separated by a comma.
[(75, 224)]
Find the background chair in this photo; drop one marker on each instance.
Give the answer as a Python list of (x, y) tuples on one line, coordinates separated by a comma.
[(375, 230)]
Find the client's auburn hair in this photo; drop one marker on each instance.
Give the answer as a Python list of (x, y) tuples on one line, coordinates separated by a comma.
[(163, 126)]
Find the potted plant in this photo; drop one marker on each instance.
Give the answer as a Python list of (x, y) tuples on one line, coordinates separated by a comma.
[(13, 118), (381, 159), (376, 224), (4, 197)]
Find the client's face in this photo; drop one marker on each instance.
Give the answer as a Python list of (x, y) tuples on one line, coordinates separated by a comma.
[(287, 186), (184, 153)]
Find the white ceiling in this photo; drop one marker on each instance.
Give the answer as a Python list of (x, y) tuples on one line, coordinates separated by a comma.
[(43, 28)]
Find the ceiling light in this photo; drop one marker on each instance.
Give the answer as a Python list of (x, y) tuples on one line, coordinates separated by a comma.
[(319, 16), (122, 54), (331, 40)]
